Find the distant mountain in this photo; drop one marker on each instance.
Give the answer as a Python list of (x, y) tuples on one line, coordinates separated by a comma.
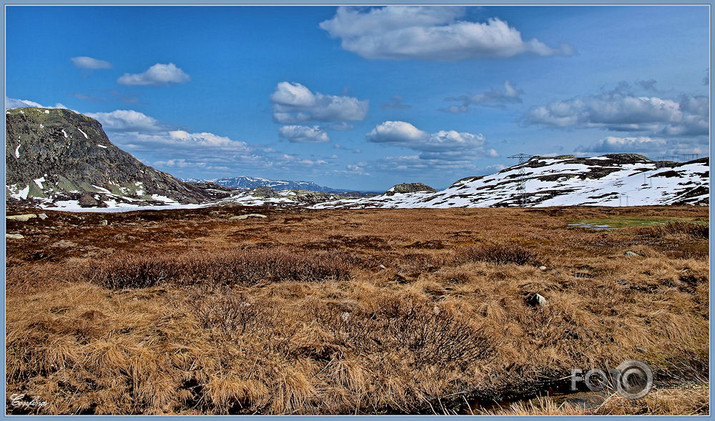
[(57, 157), (247, 183), (608, 180)]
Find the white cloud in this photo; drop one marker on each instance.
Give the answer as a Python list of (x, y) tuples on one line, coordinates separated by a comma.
[(623, 111), (444, 145), (397, 133), (429, 33), (90, 63), (21, 103), (25, 103), (294, 160), (493, 98), (653, 147), (158, 74), (139, 131), (294, 103), (205, 139), (126, 120), (625, 144), (179, 163), (303, 134)]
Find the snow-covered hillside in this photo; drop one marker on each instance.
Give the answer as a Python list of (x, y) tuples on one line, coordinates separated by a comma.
[(609, 180)]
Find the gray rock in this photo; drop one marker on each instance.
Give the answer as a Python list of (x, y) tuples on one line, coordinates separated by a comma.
[(534, 299), (542, 268), (22, 218), (631, 254), (104, 222), (43, 216)]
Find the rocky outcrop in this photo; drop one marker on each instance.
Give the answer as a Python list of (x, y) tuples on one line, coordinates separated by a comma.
[(409, 188), (60, 155)]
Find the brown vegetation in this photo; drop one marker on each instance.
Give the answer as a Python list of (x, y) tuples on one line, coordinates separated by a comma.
[(351, 311)]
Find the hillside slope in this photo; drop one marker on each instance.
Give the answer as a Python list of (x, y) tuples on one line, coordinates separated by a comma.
[(609, 180), (57, 157)]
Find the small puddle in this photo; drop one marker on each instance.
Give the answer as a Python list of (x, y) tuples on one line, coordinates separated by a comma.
[(590, 225), (589, 401)]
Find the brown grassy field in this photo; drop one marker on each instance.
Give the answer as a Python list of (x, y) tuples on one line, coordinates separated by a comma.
[(354, 311)]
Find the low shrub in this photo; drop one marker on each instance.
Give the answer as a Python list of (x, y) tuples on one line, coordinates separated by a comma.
[(223, 268), (499, 254)]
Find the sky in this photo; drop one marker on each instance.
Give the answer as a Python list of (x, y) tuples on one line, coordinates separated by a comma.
[(368, 97)]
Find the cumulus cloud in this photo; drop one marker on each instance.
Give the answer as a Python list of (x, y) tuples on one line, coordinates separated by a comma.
[(303, 134), (612, 144), (444, 145), (429, 33), (493, 98), (126, 120), (84, 62), (25, 103), (204, 139), (158, 74), (294, 103), (395, 103), (20, 103), (623, 111)]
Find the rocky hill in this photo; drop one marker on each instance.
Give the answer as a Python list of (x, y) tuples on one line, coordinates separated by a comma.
[(608, 180), (409, 188), (56, 157)]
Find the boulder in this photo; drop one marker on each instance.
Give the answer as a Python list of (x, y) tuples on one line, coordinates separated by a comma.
[(249, 215), (87, 200), (24, 217)]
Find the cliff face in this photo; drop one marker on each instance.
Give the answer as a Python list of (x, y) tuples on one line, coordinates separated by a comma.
[(58, 155)]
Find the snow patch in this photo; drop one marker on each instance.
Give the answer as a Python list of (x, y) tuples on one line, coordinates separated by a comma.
[(17, 152), (83, 133)]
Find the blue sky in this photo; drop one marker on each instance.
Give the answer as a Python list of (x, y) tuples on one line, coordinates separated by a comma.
[(365, 98)]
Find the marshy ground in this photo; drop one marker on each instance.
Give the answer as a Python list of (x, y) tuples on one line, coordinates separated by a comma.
[(355, 311)]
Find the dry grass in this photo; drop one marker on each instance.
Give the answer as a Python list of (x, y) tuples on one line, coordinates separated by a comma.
[(689, 399), (343, 312), (219, 268)]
